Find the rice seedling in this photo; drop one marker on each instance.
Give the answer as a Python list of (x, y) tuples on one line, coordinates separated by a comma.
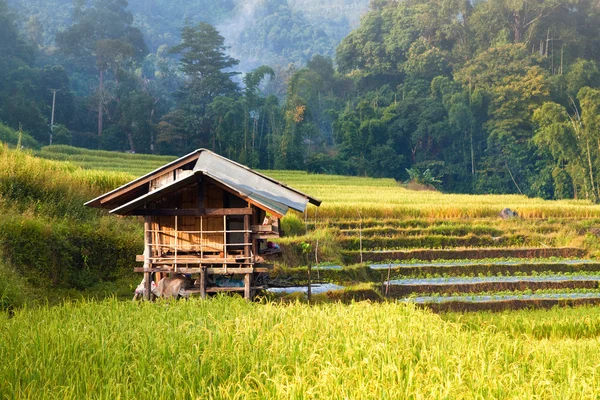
[(555, 324)]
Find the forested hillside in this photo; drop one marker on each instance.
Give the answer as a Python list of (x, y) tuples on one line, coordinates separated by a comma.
[(490, 96), (276, 31)]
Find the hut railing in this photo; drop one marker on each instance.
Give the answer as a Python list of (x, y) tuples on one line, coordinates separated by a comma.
[(187, 251)]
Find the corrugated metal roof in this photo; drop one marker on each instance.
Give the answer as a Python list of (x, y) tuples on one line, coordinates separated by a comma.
[(249, 183), (271, 194)]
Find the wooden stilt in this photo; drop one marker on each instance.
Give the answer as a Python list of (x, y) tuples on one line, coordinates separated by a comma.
[(247, 247), (203, 283), (147, 256), (247, 285), (148, 285), (176, 243)]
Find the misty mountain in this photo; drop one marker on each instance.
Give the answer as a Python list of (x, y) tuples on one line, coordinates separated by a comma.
[(275, 32)]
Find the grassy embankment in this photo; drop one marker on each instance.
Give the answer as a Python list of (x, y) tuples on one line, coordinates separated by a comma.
[(49, 242)]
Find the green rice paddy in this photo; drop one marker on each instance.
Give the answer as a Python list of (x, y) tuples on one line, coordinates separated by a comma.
[(227, 348), (338, 348)]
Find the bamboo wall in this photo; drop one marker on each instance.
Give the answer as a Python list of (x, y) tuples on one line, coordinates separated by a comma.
[(191, 231)]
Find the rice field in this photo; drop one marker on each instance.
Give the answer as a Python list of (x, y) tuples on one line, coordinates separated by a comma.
[(227, 348), (349, 197), (101, 160), (556, 324)]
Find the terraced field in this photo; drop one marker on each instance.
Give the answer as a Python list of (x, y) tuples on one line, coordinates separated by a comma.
[(462, 264), (99, 160), (446, 251)]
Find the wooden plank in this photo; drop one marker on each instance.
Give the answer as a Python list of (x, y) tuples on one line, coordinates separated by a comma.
[(216, 289), (255, 221), (147, 242), (176, 236), (229, 270), (209, 270), (191, 212), (262, 228), (206, 261), (224, 236), (224, 289), (272, 235), (190, 259)]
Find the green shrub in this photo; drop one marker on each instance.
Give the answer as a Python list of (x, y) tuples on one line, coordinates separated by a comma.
[(292, 225), (61, 135), (69, 254), (13, 290), (10, 136)]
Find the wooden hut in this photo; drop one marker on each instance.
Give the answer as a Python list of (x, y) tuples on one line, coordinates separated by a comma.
[(205, 215)]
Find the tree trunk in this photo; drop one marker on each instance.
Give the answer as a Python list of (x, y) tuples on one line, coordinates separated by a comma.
[(589, 157), (152, 139), (472, 156), (517, 28), (130, 139), (100, 105)]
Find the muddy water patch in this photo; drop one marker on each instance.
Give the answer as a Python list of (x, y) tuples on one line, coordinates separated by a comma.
[(315, 289)]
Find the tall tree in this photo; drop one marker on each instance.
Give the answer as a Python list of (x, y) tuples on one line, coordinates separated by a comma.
[(208, 71), (102, 35), (573, 141)]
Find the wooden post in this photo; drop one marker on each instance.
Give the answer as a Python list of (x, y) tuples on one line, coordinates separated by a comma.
[(387, 288), (247, 238), (147, 258), (201, 238), (254, 247), (317, 259), (247, 285), (201, 207), (308, 291), (203, 282), (360, 239), (225, 237), (148, 285), (176, 243)]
